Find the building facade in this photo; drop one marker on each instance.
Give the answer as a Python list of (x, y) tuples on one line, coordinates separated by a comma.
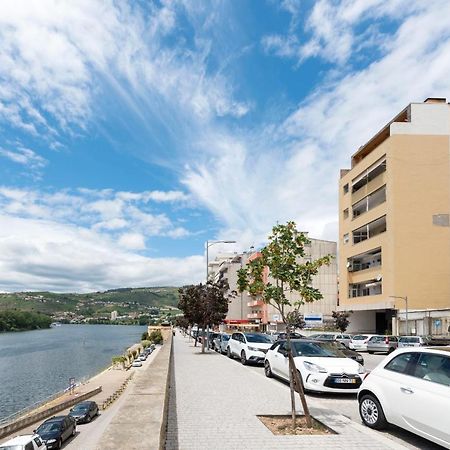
[(250, 312), (394, 242)]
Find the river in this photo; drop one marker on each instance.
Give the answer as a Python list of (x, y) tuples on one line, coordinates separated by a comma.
[(37, 364)]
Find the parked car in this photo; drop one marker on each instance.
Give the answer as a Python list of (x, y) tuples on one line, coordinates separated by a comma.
[(249, 347), (143, 357), (338, 337), (382, 344), (322, 366), (410, 389), (414, 341), (220, 342), (293, 335), (352, 354), (84, 412), (24, 442), (56, 430), (136, 363), (359, 342)]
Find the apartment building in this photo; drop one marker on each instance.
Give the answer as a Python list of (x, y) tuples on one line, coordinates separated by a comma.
[(394, 203), (251, 312)]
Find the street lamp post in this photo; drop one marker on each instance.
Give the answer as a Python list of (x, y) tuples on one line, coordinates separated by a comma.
[(209, 244), (405, 298)]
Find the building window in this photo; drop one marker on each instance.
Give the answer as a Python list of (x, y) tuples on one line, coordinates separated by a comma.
[(369, 174), (369, 230), (346, 213), (366, 288), (371, 201), (345, 188), (345, 239)]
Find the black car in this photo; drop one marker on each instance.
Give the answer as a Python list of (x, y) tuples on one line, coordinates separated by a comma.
[(283, 336), (84, 412), (56, 430)]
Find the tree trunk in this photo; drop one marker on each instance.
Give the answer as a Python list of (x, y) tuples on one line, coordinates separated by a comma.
[(203, 339), (291, 379), (301, 393)]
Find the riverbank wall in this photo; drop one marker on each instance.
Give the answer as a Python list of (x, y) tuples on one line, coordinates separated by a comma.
[(37, 416)]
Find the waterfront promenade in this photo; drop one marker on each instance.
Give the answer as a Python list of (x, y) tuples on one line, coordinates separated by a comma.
[(214, 403)]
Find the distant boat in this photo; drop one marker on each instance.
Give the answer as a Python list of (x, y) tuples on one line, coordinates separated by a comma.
[(55, 324)]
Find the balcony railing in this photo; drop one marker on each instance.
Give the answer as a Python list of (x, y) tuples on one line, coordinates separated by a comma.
[(255, 303), (254, 315)]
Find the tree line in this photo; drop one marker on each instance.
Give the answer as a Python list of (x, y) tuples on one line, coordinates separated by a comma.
[(22, 321)]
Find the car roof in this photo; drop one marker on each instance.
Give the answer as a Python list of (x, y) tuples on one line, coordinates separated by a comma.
[(56, 419), (20, 440), (443, 349)]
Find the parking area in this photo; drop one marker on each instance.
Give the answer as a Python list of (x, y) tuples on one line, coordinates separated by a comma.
[(347, 405)]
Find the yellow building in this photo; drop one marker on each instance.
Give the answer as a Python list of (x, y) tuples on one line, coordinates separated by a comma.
[(394, 243)]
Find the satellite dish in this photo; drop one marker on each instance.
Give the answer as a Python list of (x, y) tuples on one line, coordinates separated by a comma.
[(379, 277)]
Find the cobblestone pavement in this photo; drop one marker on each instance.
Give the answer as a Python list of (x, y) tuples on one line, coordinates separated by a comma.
[(214, 404)]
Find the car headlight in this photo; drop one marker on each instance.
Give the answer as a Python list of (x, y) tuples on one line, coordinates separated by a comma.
[(50, 441), (360, 369), (254, 349), (314, 367)]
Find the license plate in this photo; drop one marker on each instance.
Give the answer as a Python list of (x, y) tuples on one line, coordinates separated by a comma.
[(345, 380)]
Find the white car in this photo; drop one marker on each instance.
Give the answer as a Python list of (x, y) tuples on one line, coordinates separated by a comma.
[(136, 363), (24, 442), (249, 347), (410, 389), (359, 342), (322, 366)]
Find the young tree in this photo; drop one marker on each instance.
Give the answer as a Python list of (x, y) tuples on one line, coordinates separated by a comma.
[(204, 304), (279, 260), (341, 321)]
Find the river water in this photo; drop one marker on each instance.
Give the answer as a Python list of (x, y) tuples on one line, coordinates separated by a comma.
[(37, 364)]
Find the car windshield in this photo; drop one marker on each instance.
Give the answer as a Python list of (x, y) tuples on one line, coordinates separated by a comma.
[(408, 339), (48, 428), (80, 408), (327, 337), (360, 337), (225, 337), (317, 349), (259, 338)]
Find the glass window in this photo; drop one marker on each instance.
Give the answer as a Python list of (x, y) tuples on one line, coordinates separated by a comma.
[(403, 363), (282, 348), (29, 446), (259, 338), (434, 368), (345, 188)]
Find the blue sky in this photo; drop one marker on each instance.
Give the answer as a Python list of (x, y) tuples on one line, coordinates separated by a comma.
[(132, 132)]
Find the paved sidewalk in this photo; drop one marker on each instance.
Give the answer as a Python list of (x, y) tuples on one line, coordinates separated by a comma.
[(214, 403)]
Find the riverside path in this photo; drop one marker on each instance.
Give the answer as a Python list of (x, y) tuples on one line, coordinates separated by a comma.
[(214, 403)]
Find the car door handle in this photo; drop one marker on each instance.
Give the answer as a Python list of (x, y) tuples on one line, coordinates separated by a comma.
[(406, 390)]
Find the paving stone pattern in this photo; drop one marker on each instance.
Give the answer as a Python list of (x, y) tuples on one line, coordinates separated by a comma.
[(214, 403)]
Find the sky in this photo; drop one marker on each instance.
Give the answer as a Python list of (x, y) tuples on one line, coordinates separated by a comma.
[(132, 132)]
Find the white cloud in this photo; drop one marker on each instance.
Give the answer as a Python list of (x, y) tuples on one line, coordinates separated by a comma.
[(25, 157), (132, 241), (36, 255)]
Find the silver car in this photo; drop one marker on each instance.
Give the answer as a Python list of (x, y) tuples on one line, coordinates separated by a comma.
[(413, 341), (338, 337), (220, 343), (382, 344)]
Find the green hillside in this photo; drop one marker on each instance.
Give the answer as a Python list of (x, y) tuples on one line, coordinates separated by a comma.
[(91, 304)]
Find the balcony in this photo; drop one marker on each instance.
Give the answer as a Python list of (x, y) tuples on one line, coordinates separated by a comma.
[(255, 303), (369, 230), (368, 181), (371, 201), (258, 315), (366, 288), (364, 261)]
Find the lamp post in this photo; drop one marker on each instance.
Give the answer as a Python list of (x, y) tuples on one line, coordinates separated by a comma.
[(405, 298), (209, 244)]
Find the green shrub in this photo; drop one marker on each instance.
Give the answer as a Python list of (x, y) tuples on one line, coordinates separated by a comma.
[(156, 337)]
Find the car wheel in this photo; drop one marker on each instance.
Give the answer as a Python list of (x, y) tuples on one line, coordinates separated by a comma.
[(229, 353), (372, 413), (267, 369), (370, 353), (243, 358), (391, 350), (59, 443)]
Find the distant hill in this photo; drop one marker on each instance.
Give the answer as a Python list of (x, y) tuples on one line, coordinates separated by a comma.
[(122, 300)]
